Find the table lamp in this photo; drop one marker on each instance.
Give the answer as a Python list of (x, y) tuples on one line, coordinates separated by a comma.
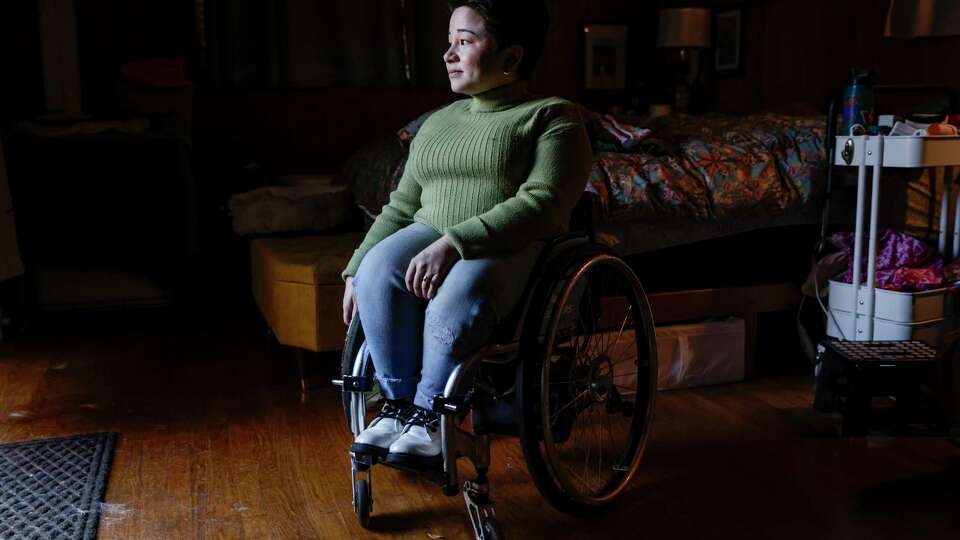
[(922, 18), (687, 29)]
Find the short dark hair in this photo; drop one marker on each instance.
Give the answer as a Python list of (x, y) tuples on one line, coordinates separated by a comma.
[(513, 22)]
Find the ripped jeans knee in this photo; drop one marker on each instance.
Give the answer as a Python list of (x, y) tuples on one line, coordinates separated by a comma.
[(457, 331)]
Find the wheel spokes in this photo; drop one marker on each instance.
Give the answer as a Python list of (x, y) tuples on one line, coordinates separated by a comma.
[(572, 401)]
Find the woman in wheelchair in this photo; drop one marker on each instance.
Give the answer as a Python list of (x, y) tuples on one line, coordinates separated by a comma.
[(488, 179)]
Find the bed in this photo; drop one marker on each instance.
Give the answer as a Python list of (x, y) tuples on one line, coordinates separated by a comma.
[(670, 182), (697, 178)]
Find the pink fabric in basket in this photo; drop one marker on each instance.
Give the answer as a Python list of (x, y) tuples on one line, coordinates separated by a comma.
[(904, 263)]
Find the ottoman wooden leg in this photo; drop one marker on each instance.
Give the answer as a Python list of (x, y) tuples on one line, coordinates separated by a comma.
[(307, 383)]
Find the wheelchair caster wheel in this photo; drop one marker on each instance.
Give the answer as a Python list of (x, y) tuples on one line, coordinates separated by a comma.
[(491, 529), (362, 501)]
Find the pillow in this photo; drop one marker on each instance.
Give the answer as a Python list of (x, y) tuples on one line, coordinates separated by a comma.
[(373, 172), (609, 135), (409, 131), (285, 209)]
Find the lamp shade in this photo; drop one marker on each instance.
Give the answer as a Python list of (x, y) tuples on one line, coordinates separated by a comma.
[(686, 28), (917, 18)]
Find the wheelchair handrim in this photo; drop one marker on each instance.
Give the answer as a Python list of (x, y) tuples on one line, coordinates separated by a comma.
[(635, 447)]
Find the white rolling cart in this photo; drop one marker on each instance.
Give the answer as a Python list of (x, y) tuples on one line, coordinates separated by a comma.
[(863, 312)]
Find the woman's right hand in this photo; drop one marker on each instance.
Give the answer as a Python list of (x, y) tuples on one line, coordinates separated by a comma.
[(349, 302)]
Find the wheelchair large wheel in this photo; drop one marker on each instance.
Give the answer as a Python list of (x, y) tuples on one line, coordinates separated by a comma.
[(587, 380), (352, 347)]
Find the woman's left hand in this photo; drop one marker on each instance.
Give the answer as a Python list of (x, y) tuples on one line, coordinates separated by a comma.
[(428, 268)]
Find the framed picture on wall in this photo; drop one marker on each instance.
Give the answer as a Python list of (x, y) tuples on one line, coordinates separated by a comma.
[(605, 57), (728, 34)]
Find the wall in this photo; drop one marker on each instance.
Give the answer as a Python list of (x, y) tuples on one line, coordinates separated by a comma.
[(307, 131), (21, 71), (800, 51), (797, 51), (313, 130), (560, 70)]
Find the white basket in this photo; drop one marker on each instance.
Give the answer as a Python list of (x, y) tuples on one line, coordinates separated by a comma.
[(929, 331), (896, 306)]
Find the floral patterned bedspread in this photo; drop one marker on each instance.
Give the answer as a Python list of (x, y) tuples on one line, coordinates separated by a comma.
[(714, 168), (708, 168)]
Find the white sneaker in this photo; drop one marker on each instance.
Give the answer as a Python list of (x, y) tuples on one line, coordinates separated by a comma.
[(419, 445), (383, 430)]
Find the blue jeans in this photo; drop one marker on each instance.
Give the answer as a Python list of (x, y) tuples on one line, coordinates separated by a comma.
[(416, 344)]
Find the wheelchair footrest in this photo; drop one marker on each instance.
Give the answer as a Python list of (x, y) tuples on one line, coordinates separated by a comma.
[(433, 474)]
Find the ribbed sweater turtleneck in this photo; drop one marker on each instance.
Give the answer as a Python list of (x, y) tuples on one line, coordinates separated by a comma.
[(493, 173)]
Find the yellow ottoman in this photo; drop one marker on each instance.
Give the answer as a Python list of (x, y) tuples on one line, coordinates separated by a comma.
[(297, 285)]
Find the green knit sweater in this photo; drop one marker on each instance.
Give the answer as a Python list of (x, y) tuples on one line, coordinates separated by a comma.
[(493, 173)]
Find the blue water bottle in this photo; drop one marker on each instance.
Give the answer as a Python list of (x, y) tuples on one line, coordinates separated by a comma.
[(858, 113)]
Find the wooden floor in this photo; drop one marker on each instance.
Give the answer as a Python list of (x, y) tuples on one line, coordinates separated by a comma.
[(216, 442)]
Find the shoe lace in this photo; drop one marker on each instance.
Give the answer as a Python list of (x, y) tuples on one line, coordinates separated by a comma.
[(396, 412), (424, 418)]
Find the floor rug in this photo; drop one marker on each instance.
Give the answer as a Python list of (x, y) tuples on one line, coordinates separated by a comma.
[(53, 488)]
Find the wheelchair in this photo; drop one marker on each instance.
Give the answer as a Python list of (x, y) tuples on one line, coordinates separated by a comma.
[(572, 372)]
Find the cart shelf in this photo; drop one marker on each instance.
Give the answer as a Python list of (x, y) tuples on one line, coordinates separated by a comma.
[(899, 151)]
